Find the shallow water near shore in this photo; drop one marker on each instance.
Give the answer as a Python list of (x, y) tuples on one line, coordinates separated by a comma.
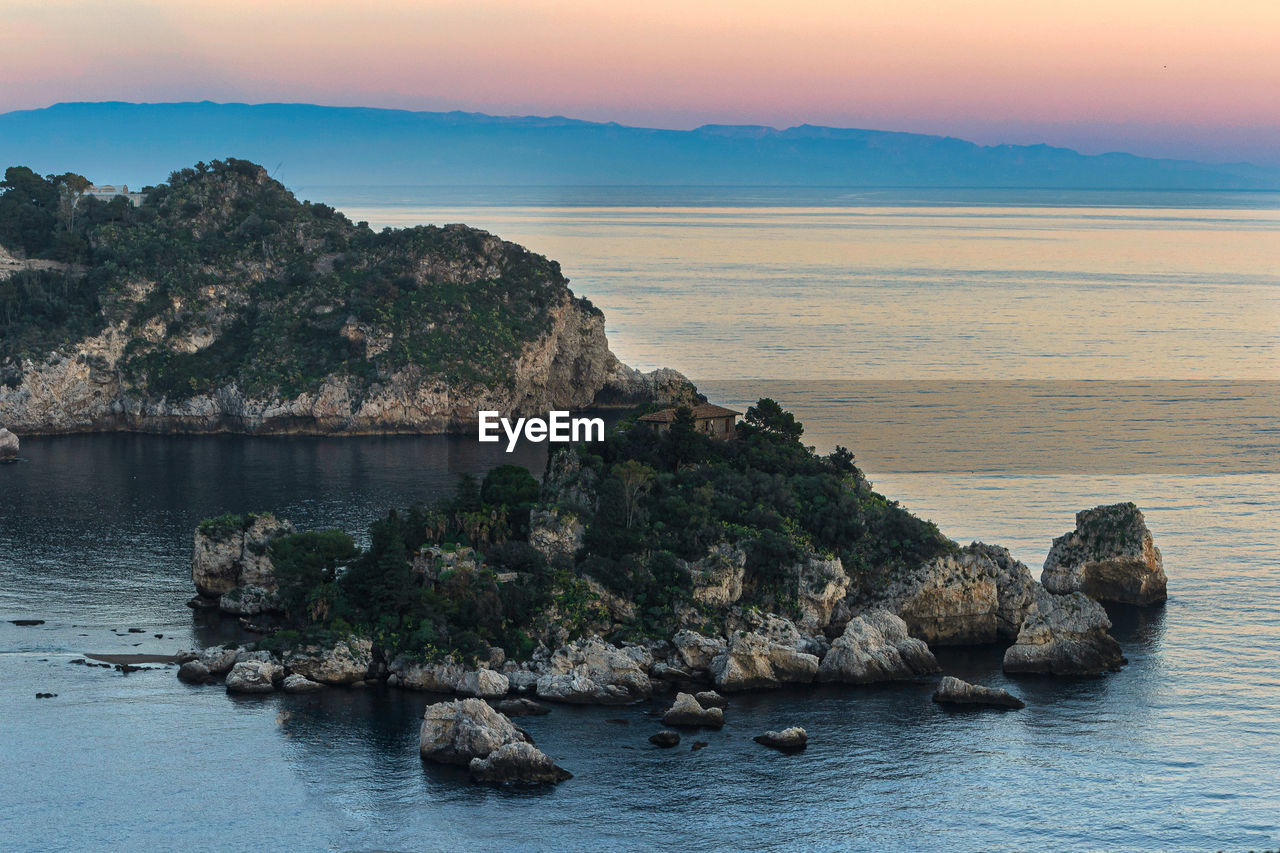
[(859, 291)]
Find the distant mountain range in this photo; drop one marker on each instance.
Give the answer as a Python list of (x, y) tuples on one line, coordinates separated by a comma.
[(138, 144)]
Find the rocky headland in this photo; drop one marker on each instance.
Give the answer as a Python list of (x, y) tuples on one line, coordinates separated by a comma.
[(221, 303)]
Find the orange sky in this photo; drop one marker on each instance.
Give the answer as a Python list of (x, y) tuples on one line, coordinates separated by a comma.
[(1167, 77)]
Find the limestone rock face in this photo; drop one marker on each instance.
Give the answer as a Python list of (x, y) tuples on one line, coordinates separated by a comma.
[(1110, 556), (555, 533), (792, 738), (248, 601), (1064, 635), (954, 691), (627, 388), (876, 647), (821, 585), (686, 711), (485, 683), (254, 676), (521, 763), (761, 659), (224, 560), (717, 577), (217, 659), (697, 651), (347, 662), (590, 671), (456, 732), (8, 445), (976, 596), (300, 684)]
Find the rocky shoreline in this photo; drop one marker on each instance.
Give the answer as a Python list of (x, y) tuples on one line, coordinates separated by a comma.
[(979, 597)]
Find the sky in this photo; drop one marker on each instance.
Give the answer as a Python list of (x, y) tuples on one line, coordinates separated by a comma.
[(1198, 79)]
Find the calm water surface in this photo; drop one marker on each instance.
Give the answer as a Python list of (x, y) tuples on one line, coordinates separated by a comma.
[(1176, 752)]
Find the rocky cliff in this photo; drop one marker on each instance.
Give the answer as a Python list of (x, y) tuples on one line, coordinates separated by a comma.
[(223, 304)]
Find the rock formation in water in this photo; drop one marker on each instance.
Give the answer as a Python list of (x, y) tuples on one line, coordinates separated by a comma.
[(789, 739), (1064, 635), (230, 563), (1110, 556), (977, 595), (875, 647), (223, 304), (8, 445), (954, 691), (686, 710)]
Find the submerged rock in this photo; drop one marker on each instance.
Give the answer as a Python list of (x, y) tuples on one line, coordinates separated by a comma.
[(1110, 556), (521, 763), (8, 445), (1064, 635), (254, 676), (592, 672), (953, 691), (875, 647), (346, 662), (686, 711), (788, 739), (458, 731), (665, 739)]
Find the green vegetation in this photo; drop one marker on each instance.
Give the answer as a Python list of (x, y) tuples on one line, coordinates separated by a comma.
[(461, 575), (245, 284)]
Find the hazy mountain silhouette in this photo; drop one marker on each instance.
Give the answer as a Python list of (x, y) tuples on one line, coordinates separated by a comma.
[(141, 143)]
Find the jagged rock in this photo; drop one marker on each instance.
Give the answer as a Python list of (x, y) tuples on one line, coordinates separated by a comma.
[(458, 731), (665, 739), (953, 691), (347, 662), (8, 445), (517, 762), (300, 684), (627, 388), (590, 671), (194, 672), (820, 586), (686, 711), (231, 558), (218, 659), (875, 647), (485, 683), (1064, 635), (248, 601), (697, 651), (763, 659), (975, 596), (435, 676), (254, 676), (521, 707), (717, 577), (788, 739), (243, 654), (555, 532), (620, 609), (1110, 556), (711, 699), (522, 680)]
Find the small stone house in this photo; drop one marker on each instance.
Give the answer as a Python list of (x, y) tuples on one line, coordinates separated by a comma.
[(715, 421)]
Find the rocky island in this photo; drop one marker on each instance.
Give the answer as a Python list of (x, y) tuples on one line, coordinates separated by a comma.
[(659, 563), (221, 303)]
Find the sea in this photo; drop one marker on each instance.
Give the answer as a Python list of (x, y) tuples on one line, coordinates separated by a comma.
[(996, 360)]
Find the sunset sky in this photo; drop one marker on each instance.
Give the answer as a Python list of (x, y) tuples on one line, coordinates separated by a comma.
[(1185, 78)]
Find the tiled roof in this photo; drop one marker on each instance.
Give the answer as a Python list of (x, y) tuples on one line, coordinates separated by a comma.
[(702, 412)]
